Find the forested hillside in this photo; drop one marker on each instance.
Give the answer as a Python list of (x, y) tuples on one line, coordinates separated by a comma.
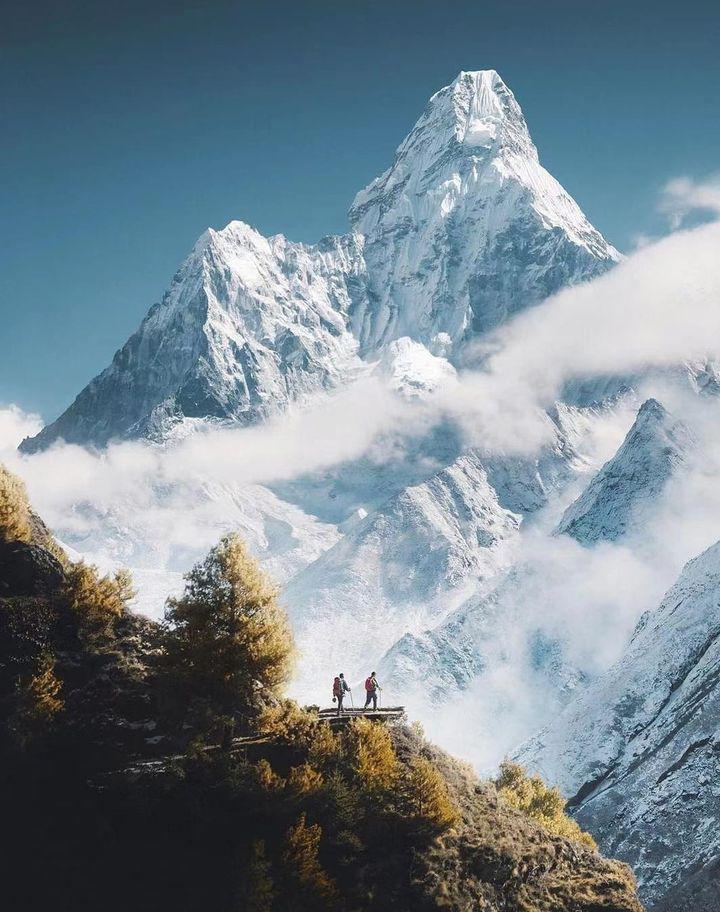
[(158, 767)]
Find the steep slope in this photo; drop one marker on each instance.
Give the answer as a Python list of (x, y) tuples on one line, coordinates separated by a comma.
[(639, 749), (99, 751), (398, 567), (466, 228), (247, 326), (630, 482)]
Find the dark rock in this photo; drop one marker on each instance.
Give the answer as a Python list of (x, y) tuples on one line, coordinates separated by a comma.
[(27, 569)]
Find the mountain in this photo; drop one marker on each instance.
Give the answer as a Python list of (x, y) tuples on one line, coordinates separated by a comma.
[(629, 483), (248, 325), (114, 749), (465, 229), (399, 567), (639, 751)]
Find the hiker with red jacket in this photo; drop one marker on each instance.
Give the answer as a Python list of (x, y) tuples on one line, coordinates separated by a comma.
[(371, 689), (340, 688)]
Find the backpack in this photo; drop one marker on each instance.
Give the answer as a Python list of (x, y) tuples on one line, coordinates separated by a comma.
[(337, 686), (369, 684)]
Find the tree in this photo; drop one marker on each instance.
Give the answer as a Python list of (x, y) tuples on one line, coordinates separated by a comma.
[(14, 508), (372, 756), (302, 862), (228, 640), (428, 796), (259, 890), (39, 700), (98, 601)]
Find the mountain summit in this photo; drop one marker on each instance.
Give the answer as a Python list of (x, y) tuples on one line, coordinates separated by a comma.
[(465, 229)]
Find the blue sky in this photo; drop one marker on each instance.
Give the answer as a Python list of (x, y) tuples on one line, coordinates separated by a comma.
[(127, 128)]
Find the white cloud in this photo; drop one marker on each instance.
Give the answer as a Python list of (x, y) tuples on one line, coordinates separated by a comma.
[(15, 424), (683, 195), (658, 308)]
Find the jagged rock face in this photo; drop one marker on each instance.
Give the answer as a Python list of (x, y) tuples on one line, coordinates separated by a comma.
[(465, 229), (639, 750), (248, 325), (400, 565), (629, 484)]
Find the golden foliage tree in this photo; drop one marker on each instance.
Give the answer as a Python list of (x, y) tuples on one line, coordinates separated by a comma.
[(97, 600), (304, 780), (39, 700), (372, 756), (301, 856), (288, 723), (428, 797), (14, 508), (43, 691), (228, 638), (544, 804)]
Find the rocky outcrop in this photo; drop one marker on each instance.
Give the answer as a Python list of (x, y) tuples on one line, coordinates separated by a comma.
[(627, 486)]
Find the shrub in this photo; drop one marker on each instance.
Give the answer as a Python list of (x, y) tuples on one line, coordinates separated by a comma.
[(228, 638), (14, 508), (544, 804)]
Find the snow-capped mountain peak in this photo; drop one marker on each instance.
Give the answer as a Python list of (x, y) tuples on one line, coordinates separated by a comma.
[(465, 193), (462, 231), (628, 485)]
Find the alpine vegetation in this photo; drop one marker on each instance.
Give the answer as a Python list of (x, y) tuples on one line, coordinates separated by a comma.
[(173, 743)]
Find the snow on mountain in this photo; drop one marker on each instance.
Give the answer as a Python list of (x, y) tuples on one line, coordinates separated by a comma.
[(248, 325), (466, 227), (639, 750), (400, 566), (413, 371), (626, 486), (160, 534)]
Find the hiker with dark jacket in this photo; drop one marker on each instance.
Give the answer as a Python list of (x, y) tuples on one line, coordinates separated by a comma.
[(340, 688), (371, 689)]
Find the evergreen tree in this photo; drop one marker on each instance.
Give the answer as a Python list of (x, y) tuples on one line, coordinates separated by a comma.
[(301, 856), (258, 891), (428, 796), (228, 638)]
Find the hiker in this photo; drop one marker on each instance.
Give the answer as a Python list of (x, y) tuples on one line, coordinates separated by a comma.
[(371, 689), (340, 688)]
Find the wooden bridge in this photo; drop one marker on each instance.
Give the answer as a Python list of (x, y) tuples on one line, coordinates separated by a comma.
[(382, 714)]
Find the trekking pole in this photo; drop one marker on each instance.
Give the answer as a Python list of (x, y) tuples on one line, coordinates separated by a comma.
[(352, 702)]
